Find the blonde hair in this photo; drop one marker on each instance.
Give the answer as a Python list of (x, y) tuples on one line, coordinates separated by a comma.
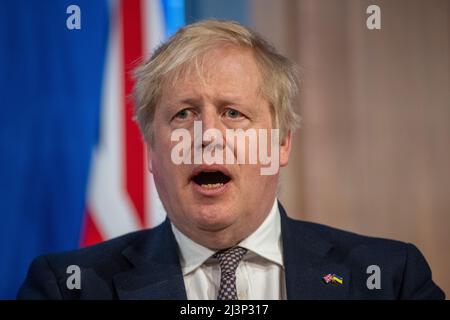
[(279, 75)]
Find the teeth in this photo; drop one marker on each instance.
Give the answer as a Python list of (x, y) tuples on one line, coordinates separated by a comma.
[(212, 185)]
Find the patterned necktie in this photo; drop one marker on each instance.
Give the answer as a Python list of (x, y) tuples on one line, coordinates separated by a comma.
[(229, 260)]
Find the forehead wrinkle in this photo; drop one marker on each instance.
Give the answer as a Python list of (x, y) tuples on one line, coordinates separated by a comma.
[(227, 91), (204, 79)]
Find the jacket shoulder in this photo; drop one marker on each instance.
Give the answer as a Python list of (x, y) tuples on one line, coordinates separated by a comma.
[(404, 270), (347, 239), (48, 274), (99, 252)]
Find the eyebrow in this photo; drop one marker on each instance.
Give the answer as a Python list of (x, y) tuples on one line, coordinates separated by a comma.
[(190, 101), (198, 101)]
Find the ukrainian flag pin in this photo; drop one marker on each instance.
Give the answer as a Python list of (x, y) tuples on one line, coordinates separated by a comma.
[(333, 278), (337, 279)]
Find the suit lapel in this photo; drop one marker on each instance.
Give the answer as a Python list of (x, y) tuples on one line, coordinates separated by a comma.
[(307, 258), (156, 271)]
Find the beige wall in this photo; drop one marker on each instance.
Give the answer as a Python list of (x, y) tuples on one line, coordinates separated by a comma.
[(373, 155)]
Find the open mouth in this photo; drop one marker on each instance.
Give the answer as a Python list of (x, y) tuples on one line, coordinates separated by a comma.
[(211, 180)]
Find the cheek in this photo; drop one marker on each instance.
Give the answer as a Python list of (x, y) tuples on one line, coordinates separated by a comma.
[(160, 159), (250, 175), (165, 170), (162, 147), (254, 181)]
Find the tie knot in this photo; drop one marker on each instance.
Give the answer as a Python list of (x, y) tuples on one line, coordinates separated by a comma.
[(229, 259)]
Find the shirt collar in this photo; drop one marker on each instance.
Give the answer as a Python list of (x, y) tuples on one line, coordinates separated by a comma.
[(192, 254), (264, 241)]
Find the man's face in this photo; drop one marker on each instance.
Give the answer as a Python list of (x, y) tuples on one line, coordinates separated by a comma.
[(220, 204)]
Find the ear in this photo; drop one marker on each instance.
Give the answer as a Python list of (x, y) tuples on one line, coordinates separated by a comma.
[(285, 149), (149, 157)]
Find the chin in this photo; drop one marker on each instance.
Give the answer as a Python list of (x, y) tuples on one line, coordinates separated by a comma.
[(214, 219)]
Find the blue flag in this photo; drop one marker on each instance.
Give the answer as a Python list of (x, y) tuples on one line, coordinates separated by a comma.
[(50, 87), (52, 75)]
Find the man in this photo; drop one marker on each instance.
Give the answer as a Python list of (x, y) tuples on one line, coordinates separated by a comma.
[(226, 236)]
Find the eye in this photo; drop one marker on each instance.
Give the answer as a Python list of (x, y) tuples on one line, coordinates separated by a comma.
[(233, 114), (183, 114)]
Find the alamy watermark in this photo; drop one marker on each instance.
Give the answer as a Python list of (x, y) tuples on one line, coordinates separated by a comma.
[(374, 280), (74, 279), (251, 146), (373, 21), (73, 21)]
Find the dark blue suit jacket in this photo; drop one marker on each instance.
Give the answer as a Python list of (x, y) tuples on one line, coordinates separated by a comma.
[(145, 265)]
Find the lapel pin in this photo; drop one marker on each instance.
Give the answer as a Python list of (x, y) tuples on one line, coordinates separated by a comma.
[(337, 279), (328, 278), (333, 278)]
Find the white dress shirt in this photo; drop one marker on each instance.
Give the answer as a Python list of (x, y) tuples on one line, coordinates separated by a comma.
[(260, 275)]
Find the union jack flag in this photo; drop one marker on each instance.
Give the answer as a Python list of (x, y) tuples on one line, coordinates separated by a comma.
[(328, 278), (121, 193)]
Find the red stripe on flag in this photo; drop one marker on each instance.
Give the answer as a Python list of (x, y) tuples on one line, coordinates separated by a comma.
[(134, 146), (91, 235)]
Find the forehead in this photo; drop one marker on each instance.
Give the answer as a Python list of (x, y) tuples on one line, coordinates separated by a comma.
[(223, 71)]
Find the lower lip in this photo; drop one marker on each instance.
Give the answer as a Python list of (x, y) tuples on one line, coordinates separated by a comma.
[(210, 192)]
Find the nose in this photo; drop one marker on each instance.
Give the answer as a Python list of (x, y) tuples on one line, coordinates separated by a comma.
[(210, 118), (212, 126)]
